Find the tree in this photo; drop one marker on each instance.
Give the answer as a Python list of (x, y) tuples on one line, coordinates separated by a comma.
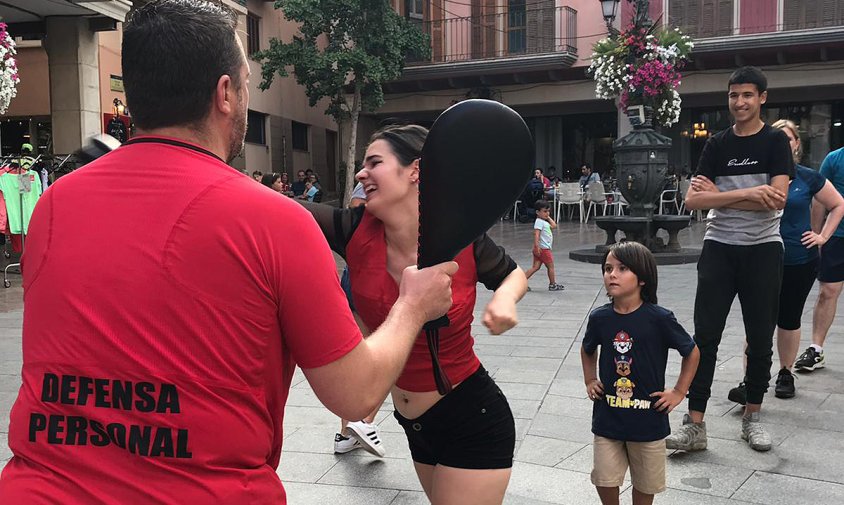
[(354, 45)]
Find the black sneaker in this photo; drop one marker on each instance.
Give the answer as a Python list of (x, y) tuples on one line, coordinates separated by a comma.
[(785, 384), (738, 394), (810, 360)]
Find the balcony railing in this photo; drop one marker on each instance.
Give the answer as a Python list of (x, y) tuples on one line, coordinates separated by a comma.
[(703, 19), (516, 32)]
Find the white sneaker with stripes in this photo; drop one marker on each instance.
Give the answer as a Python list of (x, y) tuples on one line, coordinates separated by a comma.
[(367, 435), (342, 444)]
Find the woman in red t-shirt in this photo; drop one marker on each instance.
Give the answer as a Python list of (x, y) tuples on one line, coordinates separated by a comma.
[(462, 442)]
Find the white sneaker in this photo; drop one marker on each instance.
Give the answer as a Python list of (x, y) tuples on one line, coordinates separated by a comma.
[(755, 433), (367, 435), (342, 444)]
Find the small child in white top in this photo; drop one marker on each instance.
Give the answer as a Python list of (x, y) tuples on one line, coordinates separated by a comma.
[(543, 239)]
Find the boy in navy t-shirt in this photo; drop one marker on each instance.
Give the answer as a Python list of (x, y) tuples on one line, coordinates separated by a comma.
[(630, 415)]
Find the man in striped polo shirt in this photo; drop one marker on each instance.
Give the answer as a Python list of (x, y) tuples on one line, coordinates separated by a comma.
[(742, 177)]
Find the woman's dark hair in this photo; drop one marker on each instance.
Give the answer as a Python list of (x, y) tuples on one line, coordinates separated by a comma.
[(174, 53), (406, 141), (269, 179), (640, 261), (748, 75)]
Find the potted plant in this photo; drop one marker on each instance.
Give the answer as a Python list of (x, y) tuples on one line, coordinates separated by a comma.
[(640, 66)]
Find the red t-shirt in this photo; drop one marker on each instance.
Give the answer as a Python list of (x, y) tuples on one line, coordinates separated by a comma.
[(167, 300), (374, 292)]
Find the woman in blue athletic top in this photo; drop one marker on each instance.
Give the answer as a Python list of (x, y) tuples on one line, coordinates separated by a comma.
[(800, 261)]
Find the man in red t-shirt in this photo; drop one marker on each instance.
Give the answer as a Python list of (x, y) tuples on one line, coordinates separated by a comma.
[(168, 299)]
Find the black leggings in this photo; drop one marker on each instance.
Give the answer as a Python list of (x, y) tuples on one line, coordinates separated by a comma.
[(797, 281), (754, 273)]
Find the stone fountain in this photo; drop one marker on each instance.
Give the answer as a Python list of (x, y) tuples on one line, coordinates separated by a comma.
[(641, 158)]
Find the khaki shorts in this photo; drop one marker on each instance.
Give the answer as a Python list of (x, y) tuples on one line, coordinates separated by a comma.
[(645, 459)]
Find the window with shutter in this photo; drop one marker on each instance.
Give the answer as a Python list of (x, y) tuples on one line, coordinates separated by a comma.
[(685, 14), (540, 26), (516, 27), (792, 11), (476, 14), (813, 8), (724, 24), (484, 29), (702, 18), (706, 27), (437, 30), (808, 14), (830, 15), (494, 28), (253, 34)]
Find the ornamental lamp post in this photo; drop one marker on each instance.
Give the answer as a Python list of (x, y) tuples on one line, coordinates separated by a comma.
[(641, 159), (609, 8)]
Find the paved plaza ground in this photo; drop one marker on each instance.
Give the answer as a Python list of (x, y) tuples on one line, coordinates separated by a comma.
[(537, 364)]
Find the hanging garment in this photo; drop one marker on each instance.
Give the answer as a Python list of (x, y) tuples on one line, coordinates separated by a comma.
[(19, 206), (4, 221), (17, 243), (45, 179)]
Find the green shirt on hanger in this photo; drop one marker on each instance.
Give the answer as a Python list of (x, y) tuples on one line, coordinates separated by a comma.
[(19, 206)]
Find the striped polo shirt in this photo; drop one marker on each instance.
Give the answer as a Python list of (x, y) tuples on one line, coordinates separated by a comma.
[(734, 162)]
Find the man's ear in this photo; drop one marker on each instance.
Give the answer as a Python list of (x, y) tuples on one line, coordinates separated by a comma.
[(225, 95)]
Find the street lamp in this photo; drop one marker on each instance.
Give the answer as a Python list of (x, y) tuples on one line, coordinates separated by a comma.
[(609, 8)]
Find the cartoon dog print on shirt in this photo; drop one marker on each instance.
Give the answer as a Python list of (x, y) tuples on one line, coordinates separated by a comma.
[(624, 388), (622, 342), (623, 365)]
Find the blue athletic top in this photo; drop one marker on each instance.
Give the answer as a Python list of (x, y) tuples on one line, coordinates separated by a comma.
[(795, 218), (833, 169)]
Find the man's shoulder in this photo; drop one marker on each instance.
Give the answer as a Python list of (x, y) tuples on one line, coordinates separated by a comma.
[(835, 157), (772, 134), (722, 135), (244, 195)]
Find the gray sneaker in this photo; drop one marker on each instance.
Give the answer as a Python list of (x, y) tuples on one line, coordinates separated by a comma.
[(755, 434), (690, 437)]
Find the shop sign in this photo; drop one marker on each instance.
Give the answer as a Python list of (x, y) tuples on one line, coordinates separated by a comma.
[(116, 82)]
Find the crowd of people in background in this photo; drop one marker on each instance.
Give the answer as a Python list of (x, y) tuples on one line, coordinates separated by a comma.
[(306, 187)]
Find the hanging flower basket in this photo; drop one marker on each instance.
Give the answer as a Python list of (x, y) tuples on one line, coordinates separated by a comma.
[(8, 69), (640, 66)]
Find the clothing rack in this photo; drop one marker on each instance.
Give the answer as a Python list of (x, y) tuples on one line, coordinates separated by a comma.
[(24, 186)]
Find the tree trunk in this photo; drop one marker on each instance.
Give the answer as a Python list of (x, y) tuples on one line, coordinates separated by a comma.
[(351, 166)]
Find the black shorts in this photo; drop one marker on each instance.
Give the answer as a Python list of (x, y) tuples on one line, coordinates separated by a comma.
[(832, 261), (797, 281), (471, 427)]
